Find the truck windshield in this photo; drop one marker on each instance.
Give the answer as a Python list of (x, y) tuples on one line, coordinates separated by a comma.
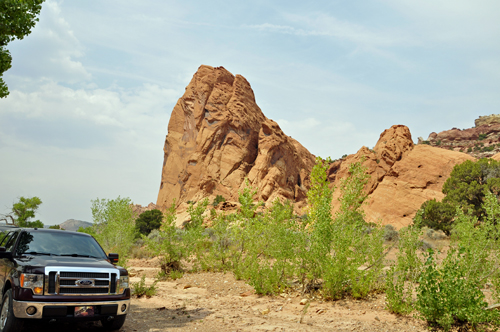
[(59, 243)]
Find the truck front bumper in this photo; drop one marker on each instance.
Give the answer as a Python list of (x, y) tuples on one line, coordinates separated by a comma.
[(104, 308)]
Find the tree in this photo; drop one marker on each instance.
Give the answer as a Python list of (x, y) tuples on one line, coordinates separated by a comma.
[(114, 225), (148, 221), (470, 181), (23, 211), (17, 18), (466, 188), (436, 215)]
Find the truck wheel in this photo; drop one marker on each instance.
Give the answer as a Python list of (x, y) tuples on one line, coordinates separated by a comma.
[(115, 324), (8, 322)]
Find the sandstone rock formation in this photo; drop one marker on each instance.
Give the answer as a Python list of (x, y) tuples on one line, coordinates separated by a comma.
[(482, 141), (402, 176), (487, 120), (138, 209), (218, 136)]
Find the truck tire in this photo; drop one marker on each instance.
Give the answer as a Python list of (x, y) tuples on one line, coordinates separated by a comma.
[(115, 324), (8, 322)]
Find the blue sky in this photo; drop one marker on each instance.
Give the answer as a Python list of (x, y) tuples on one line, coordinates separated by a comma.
[(93, 86)]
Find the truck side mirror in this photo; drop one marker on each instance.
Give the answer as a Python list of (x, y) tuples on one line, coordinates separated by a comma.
[(113, 258), (4, 253)]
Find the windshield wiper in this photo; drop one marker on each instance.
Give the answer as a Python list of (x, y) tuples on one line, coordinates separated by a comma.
[(79, 255), (38, 253)]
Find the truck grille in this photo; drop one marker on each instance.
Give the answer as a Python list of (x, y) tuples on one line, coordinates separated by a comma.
[(80, 282)]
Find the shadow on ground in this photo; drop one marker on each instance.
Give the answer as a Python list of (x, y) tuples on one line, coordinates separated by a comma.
[(139, 319)]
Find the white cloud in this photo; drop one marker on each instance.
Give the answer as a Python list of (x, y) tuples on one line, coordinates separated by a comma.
[(321, 24), (111, 111), (52, 50)]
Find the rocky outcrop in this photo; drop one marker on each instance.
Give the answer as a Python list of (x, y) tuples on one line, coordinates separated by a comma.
[(402, 176), (138, 209), (218, 136), (487, 120), (74, 225), (482, 141), (416, 178)]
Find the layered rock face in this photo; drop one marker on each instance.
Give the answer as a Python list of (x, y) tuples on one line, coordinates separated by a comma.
[(482, 141), (487, 120), (218, 136), (402, 176)]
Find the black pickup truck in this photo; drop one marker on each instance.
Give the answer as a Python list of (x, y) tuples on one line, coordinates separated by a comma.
[(56, 275)]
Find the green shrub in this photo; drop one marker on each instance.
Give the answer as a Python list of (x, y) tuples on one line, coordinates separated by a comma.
[(401, 277), (449, 294), (218, 199), (140, 289), (482, 137), (175, 246), (390, 233), (470, 181), (435, 215), (148, 221)]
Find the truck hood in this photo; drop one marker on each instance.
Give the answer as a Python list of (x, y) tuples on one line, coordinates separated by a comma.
[(37, 262)]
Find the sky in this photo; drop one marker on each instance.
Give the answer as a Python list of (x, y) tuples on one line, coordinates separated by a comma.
[(93, 86)]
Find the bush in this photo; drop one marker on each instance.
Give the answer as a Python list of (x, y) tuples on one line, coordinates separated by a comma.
[(140, 289), (482, 137), (448, 294), (470, 181), (218, 199), (435, 215), (401, 277), (390, 233), (174, 245), (148, 221)]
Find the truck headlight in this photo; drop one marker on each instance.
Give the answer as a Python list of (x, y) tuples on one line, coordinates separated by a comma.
[(123, 284), (33, 282)]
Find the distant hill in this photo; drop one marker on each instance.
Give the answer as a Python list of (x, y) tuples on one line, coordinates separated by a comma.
[(74, 225)]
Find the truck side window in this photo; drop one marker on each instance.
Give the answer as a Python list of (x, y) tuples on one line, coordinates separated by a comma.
[(5, 238), (11, 242)]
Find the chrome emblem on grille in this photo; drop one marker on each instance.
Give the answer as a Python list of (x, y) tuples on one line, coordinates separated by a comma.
[(84, 282)]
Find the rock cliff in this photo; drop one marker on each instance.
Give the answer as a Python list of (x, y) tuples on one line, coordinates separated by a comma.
[(481, 141), (218, 136), (402, 176)]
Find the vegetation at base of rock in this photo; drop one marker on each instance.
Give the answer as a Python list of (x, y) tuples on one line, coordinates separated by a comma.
[(466, 188), (470, 181), (450, 292), (140, 289), (436, 215), (218, 199), (337, 255), (148, 221), (340, 255), (22, 212)]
